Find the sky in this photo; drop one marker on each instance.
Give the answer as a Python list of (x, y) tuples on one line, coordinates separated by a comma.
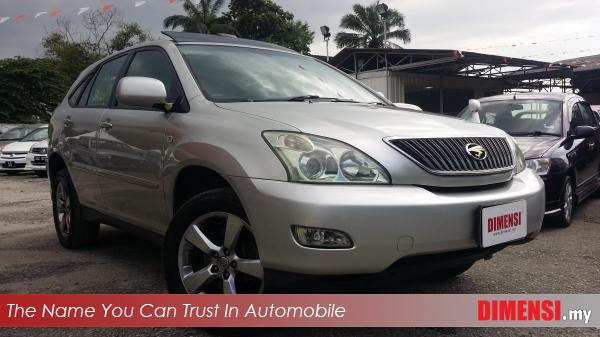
[(546, 30)]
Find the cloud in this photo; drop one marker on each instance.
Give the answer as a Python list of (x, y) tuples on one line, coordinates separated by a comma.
[(438, 24)]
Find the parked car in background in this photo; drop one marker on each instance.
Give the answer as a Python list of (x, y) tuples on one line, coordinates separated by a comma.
[(13, 157), (243, 157), (5, 127), (37, 158), (15, 134), (560, 137)]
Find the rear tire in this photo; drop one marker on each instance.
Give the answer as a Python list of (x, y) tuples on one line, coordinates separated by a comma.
[(567, 201), (72, 229)]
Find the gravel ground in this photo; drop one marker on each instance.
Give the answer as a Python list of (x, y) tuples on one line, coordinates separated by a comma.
[(32, 261)]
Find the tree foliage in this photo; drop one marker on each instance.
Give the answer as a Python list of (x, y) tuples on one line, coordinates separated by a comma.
[(101, 34), (201, 18), (31, 89), (264, 20), (368, 28)]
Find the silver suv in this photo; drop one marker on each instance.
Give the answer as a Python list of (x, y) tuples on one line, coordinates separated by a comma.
[(243, 158)]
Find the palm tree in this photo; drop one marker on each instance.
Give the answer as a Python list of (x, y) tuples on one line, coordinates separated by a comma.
[(200, 18), (368, 28)]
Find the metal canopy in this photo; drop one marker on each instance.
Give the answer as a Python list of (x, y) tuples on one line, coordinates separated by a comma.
[(515, 72)]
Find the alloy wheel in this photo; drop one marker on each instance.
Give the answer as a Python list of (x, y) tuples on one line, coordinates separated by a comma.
[(218, 254), (568, 202)]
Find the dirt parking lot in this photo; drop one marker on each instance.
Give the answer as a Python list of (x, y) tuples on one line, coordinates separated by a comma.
[(32, 261)]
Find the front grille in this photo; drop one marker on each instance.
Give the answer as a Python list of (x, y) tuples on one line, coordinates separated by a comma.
[(449, 155), (14, 153)]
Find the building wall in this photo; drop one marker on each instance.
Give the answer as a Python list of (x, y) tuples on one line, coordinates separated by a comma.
[(448, 91)]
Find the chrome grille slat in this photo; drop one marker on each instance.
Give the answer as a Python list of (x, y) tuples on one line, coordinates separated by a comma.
[(449, 155)]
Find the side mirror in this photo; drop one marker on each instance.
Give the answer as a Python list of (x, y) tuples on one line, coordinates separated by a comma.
[(143, 92), (474, 105), (583, 131)]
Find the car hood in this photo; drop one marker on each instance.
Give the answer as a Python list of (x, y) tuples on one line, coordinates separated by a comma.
[(18, 147), (344, 121), (536, 146)]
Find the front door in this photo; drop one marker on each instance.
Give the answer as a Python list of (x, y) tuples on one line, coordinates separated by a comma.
[(587, 150), (131, 148)]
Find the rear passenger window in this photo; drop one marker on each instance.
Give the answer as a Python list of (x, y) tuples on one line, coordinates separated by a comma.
[(155, 64), (101, 90)]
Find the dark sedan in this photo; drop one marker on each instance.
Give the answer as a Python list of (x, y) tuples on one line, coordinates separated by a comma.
[(560, 137)]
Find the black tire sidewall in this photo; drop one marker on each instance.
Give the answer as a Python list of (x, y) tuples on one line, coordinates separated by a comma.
[(218, 200), (560, 220), (82, 232)]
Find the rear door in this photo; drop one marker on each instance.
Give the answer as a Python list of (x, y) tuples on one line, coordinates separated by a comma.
[(80, 124), (131, 147)]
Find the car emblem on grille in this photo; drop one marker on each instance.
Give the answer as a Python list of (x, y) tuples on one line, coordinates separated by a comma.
[(476, 151)]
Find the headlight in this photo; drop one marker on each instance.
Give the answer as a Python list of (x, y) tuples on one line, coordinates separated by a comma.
[(314, 159), (520, 164), (540, 166)]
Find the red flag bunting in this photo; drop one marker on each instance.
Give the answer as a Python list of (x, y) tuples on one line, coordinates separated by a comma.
[(106, 8)]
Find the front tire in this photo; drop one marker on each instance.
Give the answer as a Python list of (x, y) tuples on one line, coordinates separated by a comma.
[(567, 201), (72, 229), (210, 248)]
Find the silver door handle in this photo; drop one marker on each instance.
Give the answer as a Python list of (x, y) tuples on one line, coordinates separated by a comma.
[(105, 125), (68, 122)]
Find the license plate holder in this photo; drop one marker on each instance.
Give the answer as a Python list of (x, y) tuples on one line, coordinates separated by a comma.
[(503, 223)]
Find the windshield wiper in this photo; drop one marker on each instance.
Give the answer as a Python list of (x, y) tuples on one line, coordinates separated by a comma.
[(534, 133)]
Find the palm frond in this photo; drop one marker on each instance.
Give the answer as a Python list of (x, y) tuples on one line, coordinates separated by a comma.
[(401, 34), (216, 7), (353, 22), (174, 21), (351, 40), (190, 8)]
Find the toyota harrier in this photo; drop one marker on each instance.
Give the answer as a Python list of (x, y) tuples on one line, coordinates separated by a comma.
[(244, 158)]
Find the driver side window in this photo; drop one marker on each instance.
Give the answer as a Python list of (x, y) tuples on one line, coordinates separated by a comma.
[(576, 118)]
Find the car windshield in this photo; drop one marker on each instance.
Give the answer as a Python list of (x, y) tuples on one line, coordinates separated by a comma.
[(238, 74), (36, 135), (522, 117), (15, 133)]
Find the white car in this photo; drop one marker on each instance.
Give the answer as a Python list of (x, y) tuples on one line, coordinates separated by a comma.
[(37, 158), (13, 156)]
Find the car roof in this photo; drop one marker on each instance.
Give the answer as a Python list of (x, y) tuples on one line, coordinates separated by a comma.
[(551, 96)]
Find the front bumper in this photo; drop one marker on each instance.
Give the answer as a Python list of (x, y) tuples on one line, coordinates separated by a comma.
[(386, 223), (36, 165), (13, 163)]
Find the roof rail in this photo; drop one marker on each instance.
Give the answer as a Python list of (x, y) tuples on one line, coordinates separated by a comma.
[(182, 37)]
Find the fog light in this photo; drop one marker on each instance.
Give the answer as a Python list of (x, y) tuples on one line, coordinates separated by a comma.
[(321, 237)]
